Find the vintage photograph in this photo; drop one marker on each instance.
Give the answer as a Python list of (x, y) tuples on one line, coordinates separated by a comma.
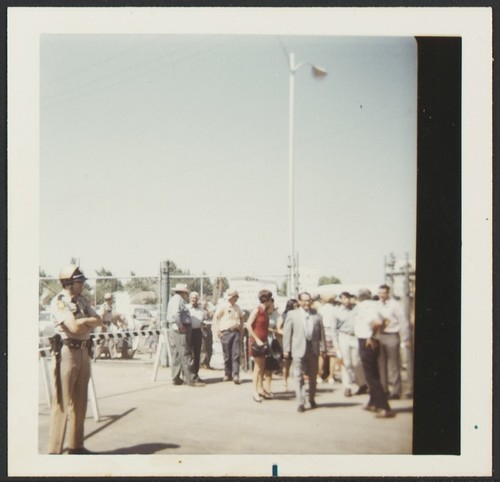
[(225, 261)]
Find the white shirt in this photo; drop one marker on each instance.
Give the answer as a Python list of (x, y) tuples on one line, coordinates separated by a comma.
[(308, 326), (365, 313), (197, 316), (227, 316), (393, 312)]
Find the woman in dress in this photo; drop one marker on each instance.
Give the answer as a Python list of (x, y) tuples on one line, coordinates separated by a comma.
[(291, 304), (258, 330)]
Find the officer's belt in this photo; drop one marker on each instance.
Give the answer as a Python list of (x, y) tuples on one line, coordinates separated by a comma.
[(80, 344)]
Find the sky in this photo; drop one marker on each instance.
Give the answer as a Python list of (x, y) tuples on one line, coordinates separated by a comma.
[(159, 147)]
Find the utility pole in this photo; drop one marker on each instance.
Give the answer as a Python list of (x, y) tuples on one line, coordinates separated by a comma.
[(165, 290)]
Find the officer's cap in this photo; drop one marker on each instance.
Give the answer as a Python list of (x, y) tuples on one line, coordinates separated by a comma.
[(72, 272)]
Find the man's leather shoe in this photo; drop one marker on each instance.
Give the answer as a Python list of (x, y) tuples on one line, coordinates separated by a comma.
[(81, 451), (362, 390), (226, 379), (347, 392), (178, 381), (370, 408), (394, 396), (301, 409), (385, 414), (313, 404), (236, 380)]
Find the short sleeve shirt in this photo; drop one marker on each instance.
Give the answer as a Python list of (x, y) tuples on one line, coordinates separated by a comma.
[(64, 307)]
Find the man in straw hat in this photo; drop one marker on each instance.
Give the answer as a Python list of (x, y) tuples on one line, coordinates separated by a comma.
[(227, 326), (179, 321)]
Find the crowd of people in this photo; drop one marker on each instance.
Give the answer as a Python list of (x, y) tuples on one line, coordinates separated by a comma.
[(355, 340)]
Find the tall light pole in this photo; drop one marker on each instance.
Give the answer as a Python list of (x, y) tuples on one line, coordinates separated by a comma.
[(318, 73)]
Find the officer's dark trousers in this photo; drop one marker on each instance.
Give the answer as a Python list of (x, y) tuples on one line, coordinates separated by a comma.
[(196, 344), (369, 359), (231, 350), (75, 374)]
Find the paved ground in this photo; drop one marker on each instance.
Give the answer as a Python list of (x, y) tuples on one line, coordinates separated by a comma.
[(141, 416)]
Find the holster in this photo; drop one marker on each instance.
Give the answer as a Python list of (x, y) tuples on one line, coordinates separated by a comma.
[(56, 345)]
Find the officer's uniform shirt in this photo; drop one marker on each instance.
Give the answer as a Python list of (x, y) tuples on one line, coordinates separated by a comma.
[(64, 307)]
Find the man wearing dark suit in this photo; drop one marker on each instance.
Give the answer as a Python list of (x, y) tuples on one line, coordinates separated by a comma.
[(304, 341)]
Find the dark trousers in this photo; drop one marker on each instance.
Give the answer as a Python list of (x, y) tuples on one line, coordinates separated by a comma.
[(182, 355), (305, 365), (369, 359), (230, 341), (196, 344), (389, 362), (206, 345)]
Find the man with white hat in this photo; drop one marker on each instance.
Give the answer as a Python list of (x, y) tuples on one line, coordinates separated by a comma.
[(179, 322), (228, 325)]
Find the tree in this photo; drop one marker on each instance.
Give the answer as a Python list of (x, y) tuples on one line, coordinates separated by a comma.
[(142, 290), (106, 285), (329, 280)]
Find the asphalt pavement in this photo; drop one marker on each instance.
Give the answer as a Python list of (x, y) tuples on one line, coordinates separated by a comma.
[(140, 416)]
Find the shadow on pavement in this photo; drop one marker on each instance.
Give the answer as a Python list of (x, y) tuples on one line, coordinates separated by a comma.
[(403, 410), (112, 420), (141, 390), (338, 405), (150, 448), (284, 395)]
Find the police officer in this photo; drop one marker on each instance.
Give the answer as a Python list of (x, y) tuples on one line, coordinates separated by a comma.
[(74, 319)]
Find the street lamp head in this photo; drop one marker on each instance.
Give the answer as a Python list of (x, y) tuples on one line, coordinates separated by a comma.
[(318, 72)]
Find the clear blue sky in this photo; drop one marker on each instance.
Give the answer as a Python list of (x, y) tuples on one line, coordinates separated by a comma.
[(157, 147)]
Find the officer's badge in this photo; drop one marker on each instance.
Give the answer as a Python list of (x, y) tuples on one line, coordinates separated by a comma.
[(61, 305)]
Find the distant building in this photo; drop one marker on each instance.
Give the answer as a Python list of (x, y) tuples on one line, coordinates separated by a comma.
[(248, 289)]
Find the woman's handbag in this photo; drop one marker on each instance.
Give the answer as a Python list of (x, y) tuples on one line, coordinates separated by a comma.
[(274, 357), (260, 350)]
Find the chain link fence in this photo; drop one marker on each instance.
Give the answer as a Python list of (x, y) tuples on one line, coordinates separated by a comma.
[(140, 302)]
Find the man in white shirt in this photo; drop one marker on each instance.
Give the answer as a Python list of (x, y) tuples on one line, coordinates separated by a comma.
[(366, 325), (228, 326), (347, 347), (197, 317), (395, 329)]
